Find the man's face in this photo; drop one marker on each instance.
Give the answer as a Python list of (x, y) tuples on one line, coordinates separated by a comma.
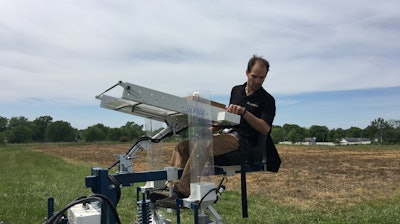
[(256, 77)]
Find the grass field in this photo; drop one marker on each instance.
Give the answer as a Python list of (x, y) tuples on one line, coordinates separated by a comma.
[(314, 185)]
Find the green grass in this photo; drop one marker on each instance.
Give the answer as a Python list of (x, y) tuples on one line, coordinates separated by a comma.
[(28, 178)]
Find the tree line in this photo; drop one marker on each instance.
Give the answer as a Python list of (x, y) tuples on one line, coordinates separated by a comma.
[(379, 131), (44, 129)]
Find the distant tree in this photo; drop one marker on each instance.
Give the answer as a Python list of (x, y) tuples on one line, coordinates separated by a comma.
[(394, 123), (336, 135), (102, 127), (124, 139), (94, 133), (16, 121), (132, 130), (321, 133), (297, 134), (80, 135), (40, 125), (2, 139), (391, 136), (397, 135), (278, 134), (20, 134), (3, 129), (390, 132), (60, 131), (371, 132), (380, 125), (114, 134), (3, 124), (354, 132), (19, 130), (288, 127)]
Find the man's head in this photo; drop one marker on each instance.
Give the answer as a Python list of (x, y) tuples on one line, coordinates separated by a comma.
[(256, 72), (257, 59)]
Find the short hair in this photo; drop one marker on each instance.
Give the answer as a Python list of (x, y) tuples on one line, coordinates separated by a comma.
[(256, 59)]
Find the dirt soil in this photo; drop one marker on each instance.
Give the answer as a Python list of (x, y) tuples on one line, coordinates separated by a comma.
[(309, 176)]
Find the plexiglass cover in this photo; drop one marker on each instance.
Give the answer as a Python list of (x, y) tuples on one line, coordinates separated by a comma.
[(200, 138)]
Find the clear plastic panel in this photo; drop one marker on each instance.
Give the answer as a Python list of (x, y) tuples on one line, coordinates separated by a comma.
[(154, 155), (200, 138)]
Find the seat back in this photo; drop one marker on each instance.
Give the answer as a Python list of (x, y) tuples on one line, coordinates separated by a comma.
[(258, 153), (249, 159)]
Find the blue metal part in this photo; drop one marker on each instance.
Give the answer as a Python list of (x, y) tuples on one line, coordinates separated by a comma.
[(179, 202), (193, 206), (50, 207), (100, 182), (50, 211)]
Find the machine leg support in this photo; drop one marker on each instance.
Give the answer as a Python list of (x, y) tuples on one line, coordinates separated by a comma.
[(244, 191)]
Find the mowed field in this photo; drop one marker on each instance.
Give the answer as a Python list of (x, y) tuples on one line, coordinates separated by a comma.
[(310, 176)]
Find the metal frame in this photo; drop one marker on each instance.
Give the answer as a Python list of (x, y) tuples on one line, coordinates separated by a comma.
[(174, 111), (156, 105)]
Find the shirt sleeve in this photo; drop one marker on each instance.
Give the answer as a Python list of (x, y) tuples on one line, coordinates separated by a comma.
[(269, 110)]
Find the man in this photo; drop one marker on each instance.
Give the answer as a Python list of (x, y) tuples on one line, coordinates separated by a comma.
[(257, 110)]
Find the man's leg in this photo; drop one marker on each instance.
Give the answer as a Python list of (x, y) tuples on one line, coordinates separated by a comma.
[(180, 158), (180, 155), (222, 144)]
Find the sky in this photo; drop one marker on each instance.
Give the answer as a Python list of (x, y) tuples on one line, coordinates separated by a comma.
[(333, 63)]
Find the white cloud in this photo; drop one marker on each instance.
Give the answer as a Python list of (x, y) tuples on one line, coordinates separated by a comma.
[(76, 49)]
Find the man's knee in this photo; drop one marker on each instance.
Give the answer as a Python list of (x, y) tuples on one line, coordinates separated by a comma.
[(183, 147)]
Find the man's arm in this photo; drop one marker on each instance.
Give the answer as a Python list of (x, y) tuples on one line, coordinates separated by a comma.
[(257, 123)]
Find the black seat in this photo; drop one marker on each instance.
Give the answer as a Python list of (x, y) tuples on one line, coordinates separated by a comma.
[(262, 157), (246, 153)]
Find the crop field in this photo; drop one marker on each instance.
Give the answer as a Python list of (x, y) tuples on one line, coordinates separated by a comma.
[(316, 184), (310, 176)]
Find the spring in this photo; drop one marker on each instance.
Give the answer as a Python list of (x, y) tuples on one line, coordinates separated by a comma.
[(143, 214)]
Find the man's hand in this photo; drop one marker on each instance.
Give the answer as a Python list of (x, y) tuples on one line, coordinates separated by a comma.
[(236, 109)]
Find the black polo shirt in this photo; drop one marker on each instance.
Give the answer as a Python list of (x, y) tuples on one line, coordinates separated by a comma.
[(261, 104)]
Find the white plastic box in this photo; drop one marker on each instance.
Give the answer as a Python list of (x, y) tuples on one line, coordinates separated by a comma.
[(84, 214)]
